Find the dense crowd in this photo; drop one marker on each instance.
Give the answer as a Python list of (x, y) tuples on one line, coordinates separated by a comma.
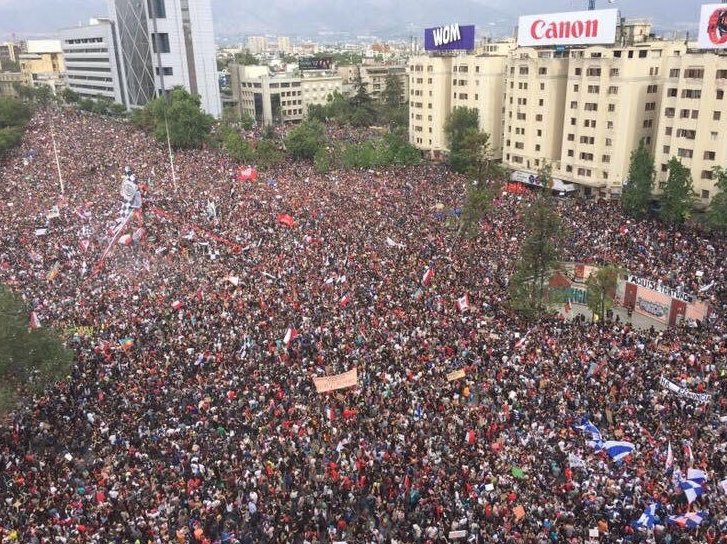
[(187, 418)]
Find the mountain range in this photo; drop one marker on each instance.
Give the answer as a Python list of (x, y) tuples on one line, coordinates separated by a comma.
[(334, 20)]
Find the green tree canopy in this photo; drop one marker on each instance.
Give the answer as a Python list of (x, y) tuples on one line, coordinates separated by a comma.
[(180, 114), (637, 192), (29, 360), (13, 112), (246, 59), (237, 148), (465, 140), (601, 287), (306, 139), (539, 254), (717, 211), (677, 198), (268, 154)]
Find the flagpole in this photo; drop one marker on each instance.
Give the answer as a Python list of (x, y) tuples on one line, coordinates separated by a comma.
[(55, 153), (169, 148)]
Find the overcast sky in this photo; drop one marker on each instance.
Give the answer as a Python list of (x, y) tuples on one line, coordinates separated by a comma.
[(36, 18)]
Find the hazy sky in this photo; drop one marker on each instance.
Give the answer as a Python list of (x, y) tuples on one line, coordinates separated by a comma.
[(34, 18)]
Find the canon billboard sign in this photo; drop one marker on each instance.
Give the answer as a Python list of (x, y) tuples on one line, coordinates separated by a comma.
[(570, 28), (713, 27)]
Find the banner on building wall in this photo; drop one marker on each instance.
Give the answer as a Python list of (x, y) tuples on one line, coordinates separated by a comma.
[(713, 27), (568, 28)]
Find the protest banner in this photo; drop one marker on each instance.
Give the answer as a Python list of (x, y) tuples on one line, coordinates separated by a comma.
[(455, 375), (702, 398), (339, 381)]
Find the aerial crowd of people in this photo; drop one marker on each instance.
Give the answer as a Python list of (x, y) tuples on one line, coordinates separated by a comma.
[(191, 414)]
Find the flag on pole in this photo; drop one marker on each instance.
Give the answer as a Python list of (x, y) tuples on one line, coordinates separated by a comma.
[(687, 449), (345, 300), (618, 449), (470, 437), (690, 520), (463, 303), (290, 335), (126, 343), (428, 275), (589, 428), (330, 413), (669, 457), (177, 304), (34, 321), (696, 475)]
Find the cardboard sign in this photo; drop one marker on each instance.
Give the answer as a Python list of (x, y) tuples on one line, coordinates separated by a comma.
[(455, 375), (339, 381)]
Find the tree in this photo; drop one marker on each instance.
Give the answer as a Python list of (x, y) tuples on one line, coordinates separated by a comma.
[(237, 148), (637, 192), (9, 138), (178, 114), (717, 212), (70, 96), (677, 198), (462, 123), (247, 121), (540, 253), (230, 115), (363, 111), (306, 139), (13, 112), (246, 59), (478, 202), (29, 360), (317, 112), (393, 91), (601, 287), (267, 154)]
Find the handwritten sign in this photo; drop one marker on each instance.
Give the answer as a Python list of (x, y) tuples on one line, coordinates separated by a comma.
[(455, 375), (339, 381)]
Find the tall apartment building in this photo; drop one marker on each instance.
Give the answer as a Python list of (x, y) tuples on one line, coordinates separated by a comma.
[(438, 84), (92, 60), (9, 52), (612, 103), (166, 43), (284, 44), (535, 89), (373, 78), (693, 116), (257, 44), (279, 98)]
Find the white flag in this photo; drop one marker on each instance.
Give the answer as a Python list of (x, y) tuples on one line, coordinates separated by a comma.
[(576, 462)]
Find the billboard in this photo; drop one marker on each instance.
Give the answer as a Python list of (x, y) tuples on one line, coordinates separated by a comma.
[(315, 63), (713, 27), (568, 28), (449, 37)]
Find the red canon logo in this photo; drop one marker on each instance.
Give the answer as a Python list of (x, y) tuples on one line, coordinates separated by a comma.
[(717, 27), (563, 29)]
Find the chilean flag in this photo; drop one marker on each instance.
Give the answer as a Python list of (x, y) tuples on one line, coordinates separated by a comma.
[(285, 219), (669, 457), (428, 275), (34, 321), (290, 335), (470, 437), (330, 414), (463, 303), (177, 304), (345, 301)]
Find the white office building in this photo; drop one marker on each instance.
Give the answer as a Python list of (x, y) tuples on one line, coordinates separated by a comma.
[(167, 43), (92, 61)]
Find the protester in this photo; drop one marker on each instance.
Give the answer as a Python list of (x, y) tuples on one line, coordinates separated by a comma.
[(188, 418)]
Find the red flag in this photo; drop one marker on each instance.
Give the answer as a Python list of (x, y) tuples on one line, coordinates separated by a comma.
[(290, 335), (248, 173), (285, 219), (177, 304), (345, 301), (470, 437), (428, 275)]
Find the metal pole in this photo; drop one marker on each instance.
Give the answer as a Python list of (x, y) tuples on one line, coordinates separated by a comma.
[(58, 162), (169, 148)]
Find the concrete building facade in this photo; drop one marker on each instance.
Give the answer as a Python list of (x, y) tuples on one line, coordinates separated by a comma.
[(280, 98), (43, 63), (693, 119)]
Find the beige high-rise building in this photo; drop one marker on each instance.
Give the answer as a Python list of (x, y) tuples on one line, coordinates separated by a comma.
[(257, 44), (43, 63), (612, 103), (438, 84), (692, 122), (284, 44), (535, 89)]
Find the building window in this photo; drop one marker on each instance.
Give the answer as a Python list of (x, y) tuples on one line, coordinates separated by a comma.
[(166, 70), (609, 143), (694, 73), (613, 89), (612, 108), (578, 71), (591, 106), (586, 156), (576, 87), (570, 153), (674, 72), (685, 153), (705, 194), (537, 147), (162, 39), (594, 89), (593, 72), (542, 86), (542, 71), (573, 105), (156, 8), (707, 174), (571, 137), (539, 117), (609, 124), (709, 155), (716, 115), (606, 158), (650, 106), (666, 149), (648, 123), (651, 88), (720, 94), (614, 72), (667, 131), (671, 93), (691, 93)]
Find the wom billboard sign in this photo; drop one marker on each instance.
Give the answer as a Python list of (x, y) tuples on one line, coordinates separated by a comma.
[(713, 27), (449, 38), (570, 28)]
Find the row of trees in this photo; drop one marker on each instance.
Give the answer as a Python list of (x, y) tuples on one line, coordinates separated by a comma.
[(360, 110), (677, 197), (14, 115)]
